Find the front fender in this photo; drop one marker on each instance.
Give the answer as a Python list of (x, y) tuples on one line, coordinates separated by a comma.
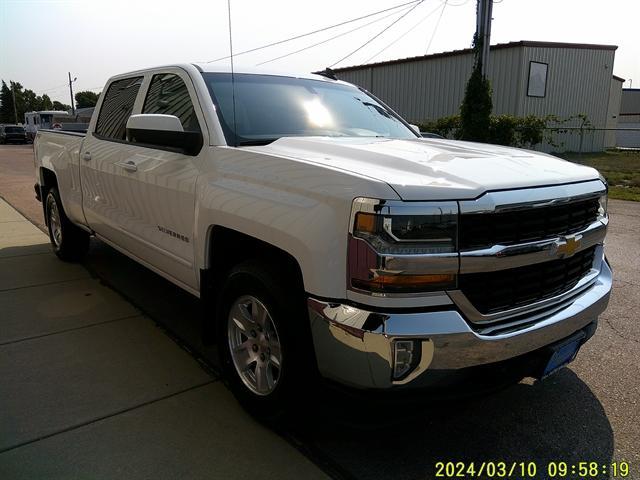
[(298, 207)]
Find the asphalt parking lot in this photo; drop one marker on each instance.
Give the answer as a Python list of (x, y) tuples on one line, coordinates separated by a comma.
[(589, 411)]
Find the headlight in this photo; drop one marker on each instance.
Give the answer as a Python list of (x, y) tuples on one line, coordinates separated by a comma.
[(408, 234), (403, 247)]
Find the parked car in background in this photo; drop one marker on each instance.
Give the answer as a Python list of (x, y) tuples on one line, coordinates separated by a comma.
[(12, 134), (326, 238)]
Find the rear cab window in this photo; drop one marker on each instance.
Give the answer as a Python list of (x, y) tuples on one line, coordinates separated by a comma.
[(116, 109)]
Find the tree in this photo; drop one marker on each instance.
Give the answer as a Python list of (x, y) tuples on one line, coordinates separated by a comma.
[(47, 104), (475, 111), (26, 101), (60, 106), (86, 99), (6, 104)]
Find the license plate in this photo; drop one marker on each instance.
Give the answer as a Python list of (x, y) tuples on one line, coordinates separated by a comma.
[(563, 354)]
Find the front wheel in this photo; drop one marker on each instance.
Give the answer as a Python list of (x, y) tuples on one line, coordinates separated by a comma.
[(264, 347), (69, 242)]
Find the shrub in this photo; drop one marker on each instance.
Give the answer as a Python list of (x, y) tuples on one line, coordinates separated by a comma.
[(445, 126), (475, 111), (503, 129)]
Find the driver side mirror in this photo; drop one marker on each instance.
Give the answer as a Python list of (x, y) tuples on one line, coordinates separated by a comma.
[(156, 130)]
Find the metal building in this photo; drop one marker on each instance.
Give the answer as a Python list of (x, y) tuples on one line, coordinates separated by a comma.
[(527, 78), (629, 135), (630, 108)]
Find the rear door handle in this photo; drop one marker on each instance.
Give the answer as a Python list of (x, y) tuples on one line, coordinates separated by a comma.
[(129, 165), (87, 156)]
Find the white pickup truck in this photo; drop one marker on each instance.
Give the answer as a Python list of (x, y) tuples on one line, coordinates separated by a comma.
[(325, 237)]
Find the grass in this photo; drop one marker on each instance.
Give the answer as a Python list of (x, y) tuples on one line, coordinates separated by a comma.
[(620, 168)]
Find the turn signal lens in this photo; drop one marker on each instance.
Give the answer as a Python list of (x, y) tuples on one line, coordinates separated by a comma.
[(365, 222), (405, 283)]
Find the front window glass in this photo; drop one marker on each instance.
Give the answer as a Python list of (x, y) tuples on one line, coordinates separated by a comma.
[(169, 95), (268, 107)]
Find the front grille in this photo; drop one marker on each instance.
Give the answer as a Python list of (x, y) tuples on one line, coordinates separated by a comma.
[(486, 230), (505, 289)]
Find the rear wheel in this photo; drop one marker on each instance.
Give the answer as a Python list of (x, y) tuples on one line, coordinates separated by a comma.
[(69, 242), (263, 345)]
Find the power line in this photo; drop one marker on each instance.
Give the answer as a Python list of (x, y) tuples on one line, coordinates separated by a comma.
[(55, 88), (378, 34), (404, 34), (318, 31), (435, 30), (329, 39)]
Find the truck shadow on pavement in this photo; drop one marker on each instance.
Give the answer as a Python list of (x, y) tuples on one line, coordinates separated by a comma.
[(559, 420)]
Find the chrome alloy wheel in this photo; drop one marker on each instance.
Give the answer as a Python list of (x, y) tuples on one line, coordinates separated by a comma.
[(254, 345), (54, 221)]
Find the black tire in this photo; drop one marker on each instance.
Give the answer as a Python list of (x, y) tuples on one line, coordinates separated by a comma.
[(70, 243), (285, 305)]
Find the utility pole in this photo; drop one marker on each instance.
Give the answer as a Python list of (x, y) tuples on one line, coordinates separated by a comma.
[(15, 108), (73, 108), (483, 32)]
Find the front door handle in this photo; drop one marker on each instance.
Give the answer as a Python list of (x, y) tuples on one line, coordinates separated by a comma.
[(87, 156), (129, 165)]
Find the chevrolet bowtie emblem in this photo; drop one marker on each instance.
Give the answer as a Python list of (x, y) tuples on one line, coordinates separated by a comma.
[(567, 246)]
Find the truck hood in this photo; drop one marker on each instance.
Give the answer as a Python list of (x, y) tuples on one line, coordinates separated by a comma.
[(432, 169)]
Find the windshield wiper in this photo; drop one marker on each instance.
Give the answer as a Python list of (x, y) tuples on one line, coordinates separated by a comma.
[(378, 108)]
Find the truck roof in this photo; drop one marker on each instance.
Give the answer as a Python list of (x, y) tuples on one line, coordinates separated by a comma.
[(48, 112), (226, 68)]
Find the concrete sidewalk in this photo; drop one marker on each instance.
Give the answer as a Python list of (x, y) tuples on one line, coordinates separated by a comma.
[(90, 388)]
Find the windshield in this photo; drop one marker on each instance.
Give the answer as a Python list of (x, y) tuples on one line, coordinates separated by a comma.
[(268, 107), (14, 129)]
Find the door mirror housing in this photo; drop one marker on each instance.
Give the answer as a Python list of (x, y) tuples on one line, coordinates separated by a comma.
[(165, 132), (415, 128)]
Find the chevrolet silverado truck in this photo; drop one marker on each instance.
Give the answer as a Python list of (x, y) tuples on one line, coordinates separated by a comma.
[(326, 239)]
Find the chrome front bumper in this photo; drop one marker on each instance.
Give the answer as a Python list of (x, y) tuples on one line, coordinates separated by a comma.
[(354, 346)]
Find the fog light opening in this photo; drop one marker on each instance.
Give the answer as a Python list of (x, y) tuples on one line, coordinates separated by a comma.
[(406, 356)]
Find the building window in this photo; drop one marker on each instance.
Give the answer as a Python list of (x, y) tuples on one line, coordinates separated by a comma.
[(537, 86)]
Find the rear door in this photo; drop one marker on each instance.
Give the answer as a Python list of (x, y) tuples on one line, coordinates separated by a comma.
[(103, 196)]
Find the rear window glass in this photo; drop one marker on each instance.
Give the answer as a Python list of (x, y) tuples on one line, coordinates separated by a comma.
[(14, 129), (117, 107)]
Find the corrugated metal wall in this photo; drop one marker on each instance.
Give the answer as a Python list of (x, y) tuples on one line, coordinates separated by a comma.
[(613, 112), (578, 83)]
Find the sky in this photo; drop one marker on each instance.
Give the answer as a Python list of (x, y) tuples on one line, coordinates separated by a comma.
[(42, 40)]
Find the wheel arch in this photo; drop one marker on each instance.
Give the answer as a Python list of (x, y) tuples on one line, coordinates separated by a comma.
[(227, 248), (46, 180)]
